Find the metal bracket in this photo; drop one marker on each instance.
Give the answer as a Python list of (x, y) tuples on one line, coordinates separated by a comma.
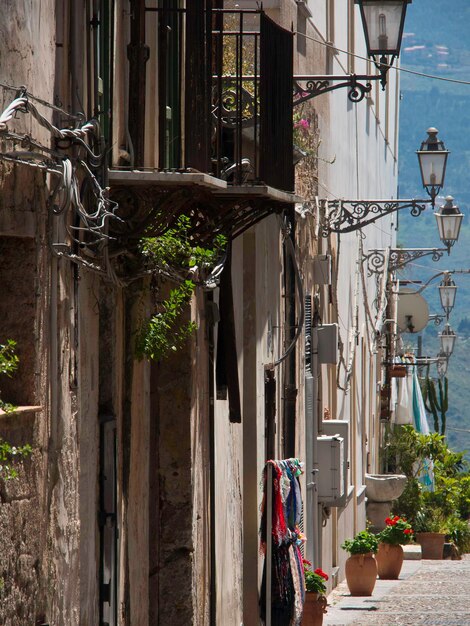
[(307, 87), (345, 216), (398, 258)]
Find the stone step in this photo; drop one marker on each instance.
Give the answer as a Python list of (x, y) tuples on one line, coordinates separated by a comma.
[(412, 552)]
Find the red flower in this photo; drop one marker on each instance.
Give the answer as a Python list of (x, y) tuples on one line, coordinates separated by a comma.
[(388, 521), (408, 531), (305, 562), (321, 573), (396, 518)]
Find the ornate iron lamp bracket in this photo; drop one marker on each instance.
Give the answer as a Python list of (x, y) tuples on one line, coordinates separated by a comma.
[(307, 87), (437, 319), (398, 258), (345, 216)]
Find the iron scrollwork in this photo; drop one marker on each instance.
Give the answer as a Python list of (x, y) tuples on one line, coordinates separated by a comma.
[(307, 87), (398, 258), (345, 216)]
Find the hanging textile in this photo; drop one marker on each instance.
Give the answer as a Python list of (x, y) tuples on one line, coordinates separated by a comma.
[(404, 396), (426, 475), (286, 566)]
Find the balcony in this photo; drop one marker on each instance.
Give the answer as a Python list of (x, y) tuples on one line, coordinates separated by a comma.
[(203, 100)]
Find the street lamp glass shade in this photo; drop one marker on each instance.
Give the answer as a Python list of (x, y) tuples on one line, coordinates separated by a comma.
[(447, 293), (449, 220), (447, 339), (432, 157), (383, 22)]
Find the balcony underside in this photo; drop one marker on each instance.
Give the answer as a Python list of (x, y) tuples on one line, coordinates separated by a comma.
[(150, 204)]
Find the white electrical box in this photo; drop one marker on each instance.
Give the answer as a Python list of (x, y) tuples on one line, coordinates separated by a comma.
[(341, 429), (327, 342), (322, 269), (330, 476)]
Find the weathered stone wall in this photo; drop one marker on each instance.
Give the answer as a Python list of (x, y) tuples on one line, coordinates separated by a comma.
[(51, 310), (174, 380)]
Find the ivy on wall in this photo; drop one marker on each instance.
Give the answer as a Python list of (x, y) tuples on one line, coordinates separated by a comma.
[(176, 256), (9, 454)]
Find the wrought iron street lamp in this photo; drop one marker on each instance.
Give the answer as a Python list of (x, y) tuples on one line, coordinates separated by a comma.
[(432, 157), (449, 220), (447, 292), (447, 339), (344, 216), (383, 22), (442, 364), (392, 259)]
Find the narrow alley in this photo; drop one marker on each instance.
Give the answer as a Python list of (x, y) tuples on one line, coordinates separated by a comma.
[(428, 593)]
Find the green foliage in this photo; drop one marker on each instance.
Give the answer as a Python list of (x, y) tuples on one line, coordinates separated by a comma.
[(314, 581), (362, 543), (176, 249), (430, 520), (446, 508), (458, 531), (164, 332), (397, 531), (410, 501), (8, 359), (9, 454), (407, 449), (177, 256), (437, 407)]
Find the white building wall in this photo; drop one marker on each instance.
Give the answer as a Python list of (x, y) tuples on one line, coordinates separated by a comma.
[(359, 161)]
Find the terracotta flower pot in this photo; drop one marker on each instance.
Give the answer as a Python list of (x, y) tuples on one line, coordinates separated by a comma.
[(432, 544), (314, 609), (361, 574), (389, 559)]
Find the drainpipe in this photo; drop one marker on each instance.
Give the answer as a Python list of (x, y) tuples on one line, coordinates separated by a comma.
[(210, 374), (316, 507)]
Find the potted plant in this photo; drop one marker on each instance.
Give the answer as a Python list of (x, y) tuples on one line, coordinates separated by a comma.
[(396, 533), (315, 602), (361, 567), (431, 529)]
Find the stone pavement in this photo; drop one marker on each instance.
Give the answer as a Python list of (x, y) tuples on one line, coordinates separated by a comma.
[(428, 593)]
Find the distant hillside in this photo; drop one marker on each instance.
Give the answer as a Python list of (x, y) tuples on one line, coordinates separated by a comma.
[(436, 42)]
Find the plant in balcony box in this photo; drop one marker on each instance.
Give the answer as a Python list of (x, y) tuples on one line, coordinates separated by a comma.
[(315, 601), (396, 533), (361, 567)]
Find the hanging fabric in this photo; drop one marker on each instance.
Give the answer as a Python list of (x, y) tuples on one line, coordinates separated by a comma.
[(426, 475), (404, 402), (283, 584)]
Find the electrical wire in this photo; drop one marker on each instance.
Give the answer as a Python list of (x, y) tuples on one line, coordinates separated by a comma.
[(390, 67), (53, 107)]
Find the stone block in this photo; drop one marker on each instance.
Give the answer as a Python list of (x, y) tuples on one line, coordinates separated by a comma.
[(412, 552)]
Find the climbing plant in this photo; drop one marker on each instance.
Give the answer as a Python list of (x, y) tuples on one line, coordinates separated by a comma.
[(174, 255), (9, 454)]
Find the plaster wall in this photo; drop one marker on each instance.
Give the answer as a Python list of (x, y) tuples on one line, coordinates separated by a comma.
[(358, 159), (240, 448)]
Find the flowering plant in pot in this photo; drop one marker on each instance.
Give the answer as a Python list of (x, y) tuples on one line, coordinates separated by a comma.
[(389, 557), (314, 581), (361, 568), (431, 529), (315, 601), (397, 531)]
